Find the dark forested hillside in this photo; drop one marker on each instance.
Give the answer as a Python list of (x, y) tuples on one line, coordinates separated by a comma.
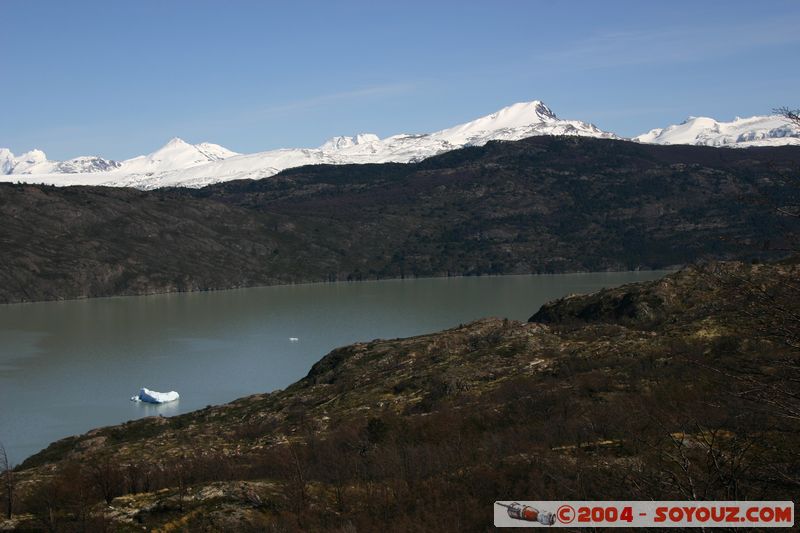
[(544, 204)]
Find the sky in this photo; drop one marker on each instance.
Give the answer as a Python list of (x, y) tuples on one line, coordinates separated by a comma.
[(119, 79)]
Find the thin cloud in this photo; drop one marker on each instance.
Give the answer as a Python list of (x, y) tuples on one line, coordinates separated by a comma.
[(316, 101), (623, 112), (674, 45), (258, 114)]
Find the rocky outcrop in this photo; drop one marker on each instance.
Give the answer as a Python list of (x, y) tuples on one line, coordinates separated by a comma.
[(596, 402)]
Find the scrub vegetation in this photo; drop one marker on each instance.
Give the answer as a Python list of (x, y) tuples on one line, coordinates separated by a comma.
[(678, 389)]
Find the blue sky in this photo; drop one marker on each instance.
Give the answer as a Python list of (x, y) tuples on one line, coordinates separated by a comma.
[(120, 78)]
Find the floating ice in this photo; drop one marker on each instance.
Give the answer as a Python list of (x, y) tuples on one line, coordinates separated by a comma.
[(151, 396)]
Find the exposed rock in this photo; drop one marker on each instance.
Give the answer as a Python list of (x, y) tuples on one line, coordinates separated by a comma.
[(594, 403)]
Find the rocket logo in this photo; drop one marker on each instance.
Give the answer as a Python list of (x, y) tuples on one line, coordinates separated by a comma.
[(527, 513)]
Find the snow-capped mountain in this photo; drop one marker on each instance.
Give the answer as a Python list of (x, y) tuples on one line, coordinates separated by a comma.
[(176, 154), (195, 165), (739, 133), (179, 163), (341, 142), (36, 162)]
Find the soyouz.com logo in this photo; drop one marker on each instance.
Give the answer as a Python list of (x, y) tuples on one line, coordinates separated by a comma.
[(643, 514)]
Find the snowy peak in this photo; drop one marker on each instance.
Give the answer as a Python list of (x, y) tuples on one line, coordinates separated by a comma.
[(85, 164), (739, 133), (337, 143), (175, 147), (518, 121), (175, 142), (214, 151), (36, 162), (176, 154), (341, 142), (30, 162), (363, 138), (516, 116), (520, 115), (7, 161), (178, 147)]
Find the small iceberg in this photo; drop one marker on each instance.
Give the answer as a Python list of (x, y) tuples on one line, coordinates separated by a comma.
[(151, 396)]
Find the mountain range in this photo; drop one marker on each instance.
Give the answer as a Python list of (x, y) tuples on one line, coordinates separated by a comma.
[(771, 130), (179, 163)]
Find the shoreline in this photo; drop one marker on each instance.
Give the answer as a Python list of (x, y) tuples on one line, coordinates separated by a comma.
[(668, 269), (591, 282)]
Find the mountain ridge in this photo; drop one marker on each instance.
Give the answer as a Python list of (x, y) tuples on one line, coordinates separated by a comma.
[(540, 205), (772, 130), (159, 169), (179, 163)]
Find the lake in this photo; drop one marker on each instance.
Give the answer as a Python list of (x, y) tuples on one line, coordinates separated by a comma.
[(67, 367)]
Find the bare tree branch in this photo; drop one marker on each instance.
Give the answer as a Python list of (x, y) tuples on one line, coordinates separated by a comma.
[(8, 480), (792, 115)]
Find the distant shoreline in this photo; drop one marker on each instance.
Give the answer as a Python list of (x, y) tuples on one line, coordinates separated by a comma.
[(666, 270)]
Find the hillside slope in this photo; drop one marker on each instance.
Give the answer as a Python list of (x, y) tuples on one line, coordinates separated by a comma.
[(544, 204), (689, 393)]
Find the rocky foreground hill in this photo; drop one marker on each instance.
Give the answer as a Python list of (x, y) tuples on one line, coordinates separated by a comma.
[(683, 388), (543, 204)]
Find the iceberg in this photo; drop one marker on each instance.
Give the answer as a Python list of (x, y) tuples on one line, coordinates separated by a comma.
[(151, 396)]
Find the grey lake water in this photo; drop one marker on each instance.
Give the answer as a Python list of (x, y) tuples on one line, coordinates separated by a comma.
[(67, 367)]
